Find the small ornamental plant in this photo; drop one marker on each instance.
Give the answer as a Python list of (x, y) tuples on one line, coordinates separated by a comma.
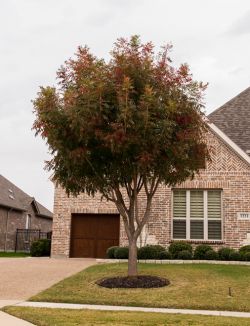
[(201, 250), (176, 247), (40, 248)]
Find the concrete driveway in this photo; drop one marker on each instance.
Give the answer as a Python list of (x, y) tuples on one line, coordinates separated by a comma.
[(20, 278)]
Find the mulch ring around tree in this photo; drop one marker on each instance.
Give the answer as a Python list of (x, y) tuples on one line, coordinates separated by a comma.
[(140, 281)]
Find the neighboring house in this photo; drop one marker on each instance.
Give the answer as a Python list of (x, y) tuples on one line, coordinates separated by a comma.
[(19, 211), (213, 208)]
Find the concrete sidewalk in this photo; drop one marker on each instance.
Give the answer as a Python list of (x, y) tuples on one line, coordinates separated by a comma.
[(125, 308), (8, 320)]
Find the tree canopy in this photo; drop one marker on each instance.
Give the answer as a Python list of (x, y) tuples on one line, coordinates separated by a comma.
[(131, 122)]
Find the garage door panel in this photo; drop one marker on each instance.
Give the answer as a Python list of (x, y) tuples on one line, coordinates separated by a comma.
[(84, 227), (107, 228), (83, 248), (93, 234), (102, 246)]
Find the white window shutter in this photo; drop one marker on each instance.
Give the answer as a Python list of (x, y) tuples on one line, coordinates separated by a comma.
[(214, 204), (196, 204), (179, 209)]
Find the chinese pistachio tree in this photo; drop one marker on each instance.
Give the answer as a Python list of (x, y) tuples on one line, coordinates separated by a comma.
[(122, 127)]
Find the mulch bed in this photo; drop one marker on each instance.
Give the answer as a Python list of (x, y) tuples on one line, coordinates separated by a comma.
[(141, 281)]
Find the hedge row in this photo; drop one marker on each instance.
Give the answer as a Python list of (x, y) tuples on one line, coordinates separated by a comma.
[(183, 250)]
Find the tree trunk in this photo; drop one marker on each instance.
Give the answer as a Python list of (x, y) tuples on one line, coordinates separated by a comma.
[(132, 259)]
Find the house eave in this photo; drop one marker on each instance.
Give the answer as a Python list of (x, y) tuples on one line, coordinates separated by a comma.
[(45, 216), (13, 208)]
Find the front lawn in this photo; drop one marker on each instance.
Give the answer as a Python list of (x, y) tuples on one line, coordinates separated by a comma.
[(58, 317), (191, 286), (13, 255)]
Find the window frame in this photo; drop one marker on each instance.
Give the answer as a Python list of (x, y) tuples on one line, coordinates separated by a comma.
[(28, 222), (205, 218)]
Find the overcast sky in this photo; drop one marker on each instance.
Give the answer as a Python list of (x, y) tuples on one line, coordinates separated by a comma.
[(37, 36)]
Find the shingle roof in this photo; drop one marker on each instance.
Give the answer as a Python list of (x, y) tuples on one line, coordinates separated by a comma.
[(13, 197), (233, 118), (43, 211)]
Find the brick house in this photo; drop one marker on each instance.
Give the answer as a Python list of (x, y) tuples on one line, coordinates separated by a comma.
[(19, 211), (213, 208)]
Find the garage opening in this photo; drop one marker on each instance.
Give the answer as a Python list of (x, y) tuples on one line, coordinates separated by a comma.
[(93, 234)]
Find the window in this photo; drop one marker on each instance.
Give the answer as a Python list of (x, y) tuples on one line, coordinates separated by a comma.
[(28, 222), (197, 215)]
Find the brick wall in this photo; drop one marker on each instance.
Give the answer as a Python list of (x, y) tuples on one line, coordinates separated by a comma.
[(17, 220), (226, 171)]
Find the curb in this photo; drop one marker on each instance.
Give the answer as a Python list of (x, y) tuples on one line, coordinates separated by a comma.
[(176, 261), (126, 308)]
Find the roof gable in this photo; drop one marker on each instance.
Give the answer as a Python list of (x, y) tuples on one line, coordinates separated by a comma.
[(233, 119), (13, 197), (225, 155), (40, 209), (226, 140)]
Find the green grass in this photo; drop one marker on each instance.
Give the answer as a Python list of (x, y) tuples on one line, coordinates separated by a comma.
[(13, 254), (66, 317), (191, 286)]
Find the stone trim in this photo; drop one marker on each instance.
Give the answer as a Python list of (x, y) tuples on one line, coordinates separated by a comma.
[(80, 210), (212, 242), (203, 184)]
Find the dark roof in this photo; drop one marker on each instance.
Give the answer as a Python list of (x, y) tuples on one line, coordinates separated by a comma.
[(233, 118), (13, 197), (42, 211)]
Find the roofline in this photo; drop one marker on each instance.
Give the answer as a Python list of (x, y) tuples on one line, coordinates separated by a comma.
[(36, 206), (45, 216), (229, 142), (228, 102), (13, 208)]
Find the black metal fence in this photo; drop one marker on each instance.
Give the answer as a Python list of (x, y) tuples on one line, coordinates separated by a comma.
[(25, 237)]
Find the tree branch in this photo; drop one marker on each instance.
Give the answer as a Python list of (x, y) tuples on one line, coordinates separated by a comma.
[(119, 199), (140, 184), (145, 218), (156, 186), (140, 224), (121, 207), (145, 185)]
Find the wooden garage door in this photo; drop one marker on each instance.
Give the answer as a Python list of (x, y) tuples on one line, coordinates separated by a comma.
[(93, 234)]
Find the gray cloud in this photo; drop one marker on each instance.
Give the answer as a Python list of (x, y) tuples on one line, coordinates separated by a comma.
[(38, 36), (241, 26)]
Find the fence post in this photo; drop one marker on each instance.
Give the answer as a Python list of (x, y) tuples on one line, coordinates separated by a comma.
[(16, 240), (39, 234)]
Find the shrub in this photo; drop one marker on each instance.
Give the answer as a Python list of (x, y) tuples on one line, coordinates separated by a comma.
[(165, 255), (121, 253), (111, 252), (201, 250), (179, 246), (235, 255), (246, 256), (244, 249), (185, 255), (224, 253), (150, 252), (211, 255), (40, 248), (158, 248)]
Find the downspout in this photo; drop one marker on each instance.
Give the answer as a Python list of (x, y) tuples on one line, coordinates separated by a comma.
[(6, 229)]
